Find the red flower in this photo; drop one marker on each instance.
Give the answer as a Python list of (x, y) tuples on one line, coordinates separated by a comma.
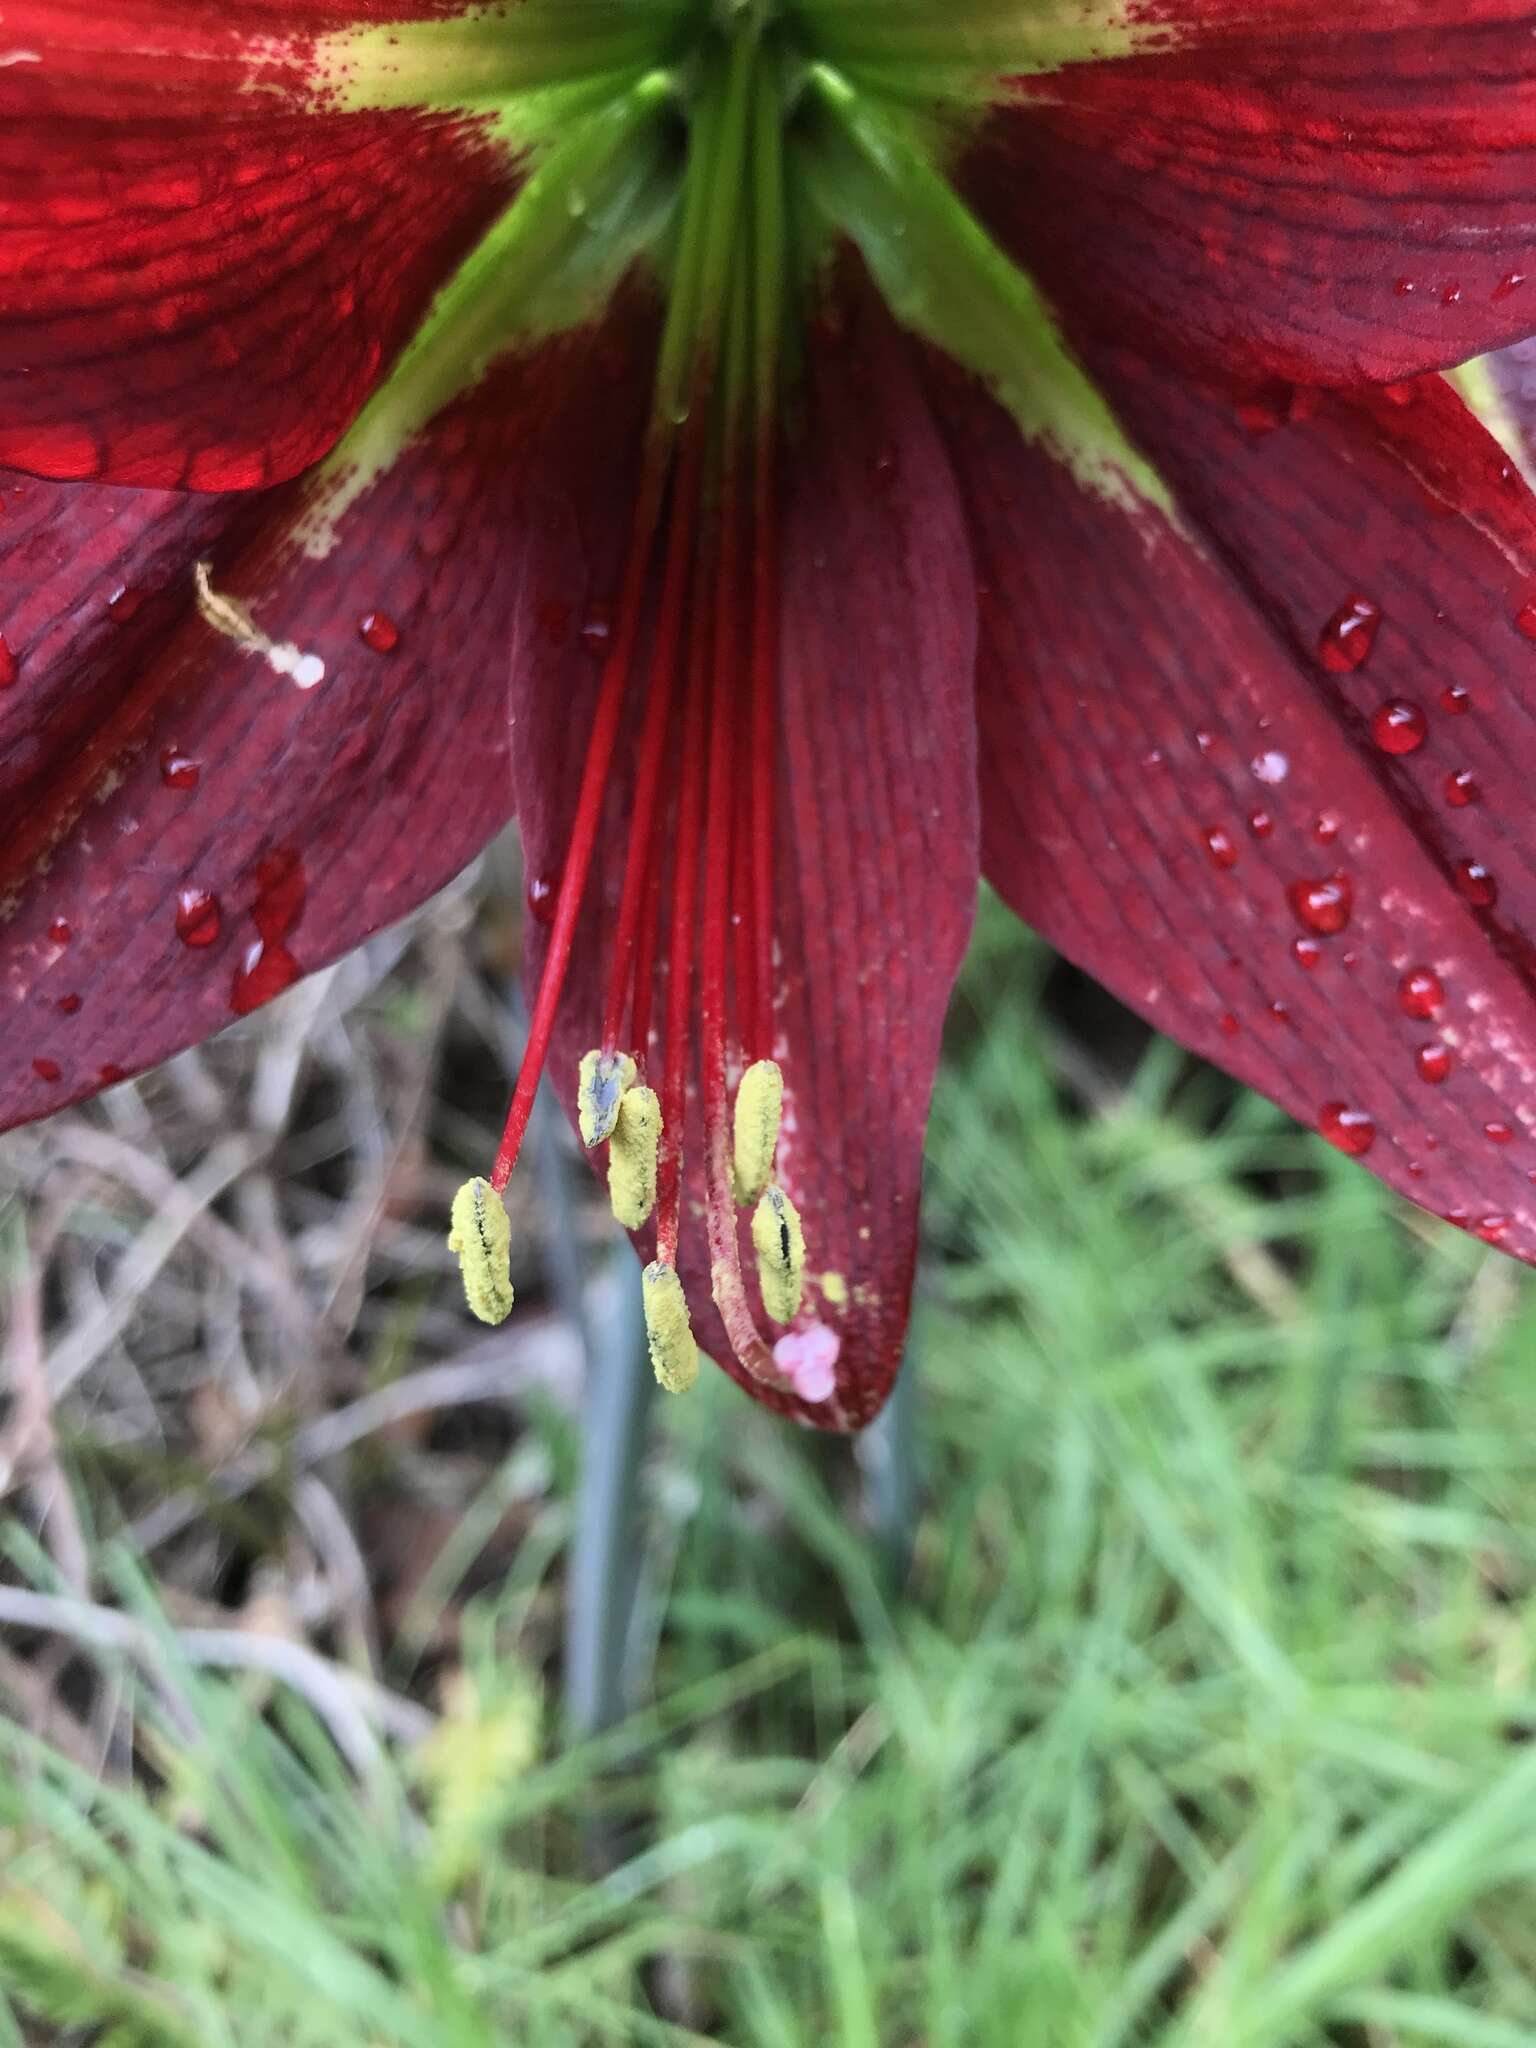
[(824, 570)]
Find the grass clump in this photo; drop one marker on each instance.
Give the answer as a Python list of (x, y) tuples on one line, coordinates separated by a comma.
[(1204, 1717)]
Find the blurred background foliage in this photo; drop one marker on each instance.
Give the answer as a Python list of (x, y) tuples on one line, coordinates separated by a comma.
[(1203, 1715)]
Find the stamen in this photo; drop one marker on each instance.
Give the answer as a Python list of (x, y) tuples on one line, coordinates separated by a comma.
[(669, 1334), (779, 1242), (632, 1157), (482, 1238), (601, 1083), (759, 1106)]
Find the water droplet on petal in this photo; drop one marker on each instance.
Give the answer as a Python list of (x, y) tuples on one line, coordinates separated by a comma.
[(1270, 767), (1508, 284), (1434, 1062), (1462, 789), (111, 1074), (46, 1069), (1220, 845), (1345, 643), (61, 931), (198, 917), (1350, 1129), (266, 969), (1455, 700), (596, 630), (124, 602), (1525, 620), (1307, 953), (1476, 884), (1325, 828), (540, 895), (1498, 1133), (1451, 296), (378, 631), (1205, 739), (1229, 1023), (1491, 1228), (68, 1006), (1420, 992), (1323, 907), (1260, 824), (9, 666), (1398, 727), (178, 770)]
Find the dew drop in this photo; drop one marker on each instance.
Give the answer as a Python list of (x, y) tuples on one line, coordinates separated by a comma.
[(1398, 727), (47, 1070), (124, 602), (1525, 620), (9, 665), (1420, 992), (1405, 287), (1451, 296), (1229, 1023), (1476, 884), (1205, 739), (1307, 953), (1270, 767), (1350, 1129), (1220, 845), (1491, 1228), (540, 895), (198, 917), (1260, 824), (1323, 907), (596, 630), (178, 770), (280, 893), (61, 931), (1325, 828), (1434, 1062), (378, 631), (1455, 700), (266, 969), (1462, 788), (1280, 1013), (68, 1006), (1508, 284), (1345, 643), (1498, 1133), (111, 1074)]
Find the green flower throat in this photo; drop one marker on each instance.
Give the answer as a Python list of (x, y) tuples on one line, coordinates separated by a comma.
[(727, 148)]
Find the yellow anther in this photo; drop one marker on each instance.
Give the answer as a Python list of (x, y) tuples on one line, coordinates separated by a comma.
[(674, 1355), (632, 1152), (482, 1238), (779, 1243), (759, 1105), (600, 1084)]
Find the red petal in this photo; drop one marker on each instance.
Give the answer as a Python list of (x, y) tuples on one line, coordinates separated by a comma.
[(209, 279), (877, 847), (187, 831), (1182, 794), (1315, 205)]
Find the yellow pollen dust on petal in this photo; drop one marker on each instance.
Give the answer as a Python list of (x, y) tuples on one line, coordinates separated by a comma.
[(779, 1242), (759, 1106), (601, 1082), (668, 1332), (481, 1238), (632, 1156)]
